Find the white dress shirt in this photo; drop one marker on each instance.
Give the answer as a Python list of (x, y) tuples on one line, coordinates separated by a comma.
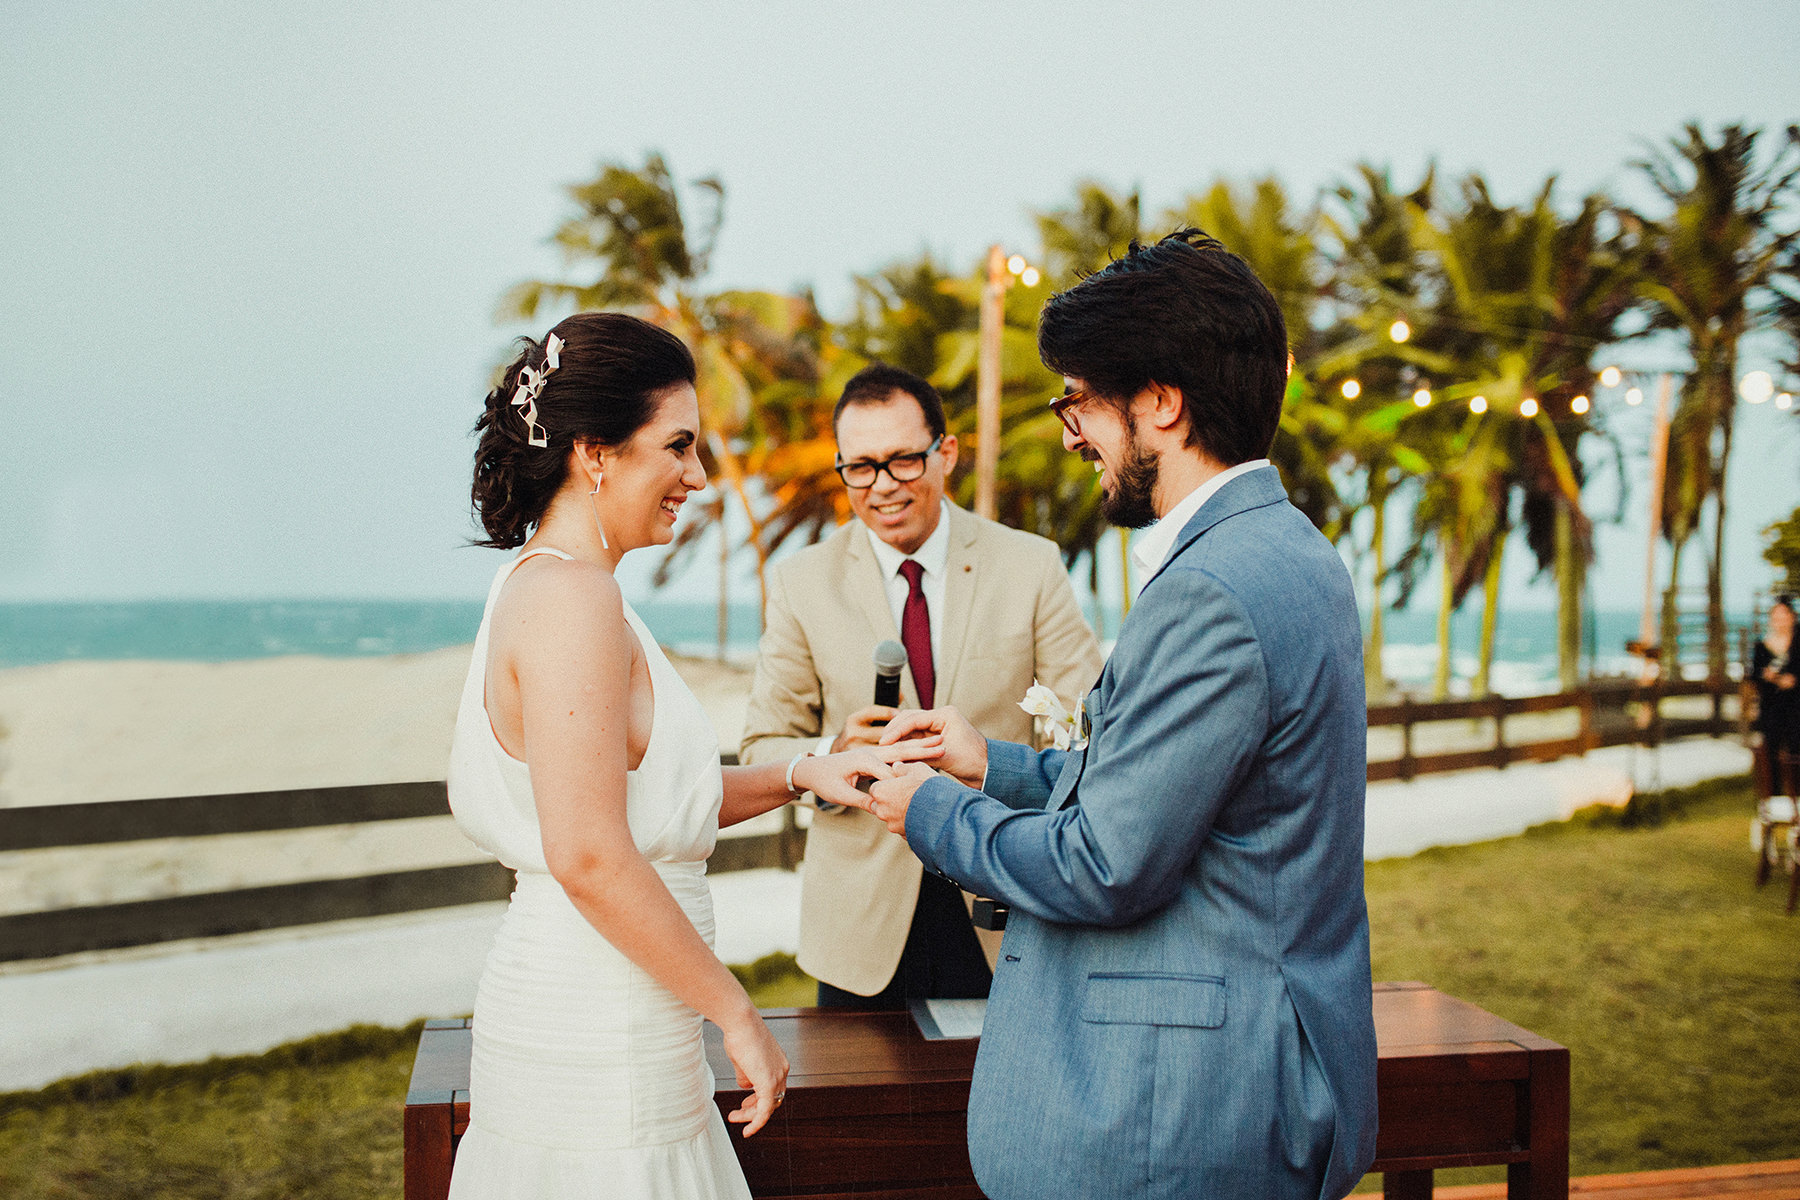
[(1152, 545), (934, 557)]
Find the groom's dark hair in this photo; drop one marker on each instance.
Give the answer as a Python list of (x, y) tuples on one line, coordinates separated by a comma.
[(1187, 313)]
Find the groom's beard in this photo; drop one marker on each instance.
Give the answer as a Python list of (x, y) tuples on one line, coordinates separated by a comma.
[(1131, 502)]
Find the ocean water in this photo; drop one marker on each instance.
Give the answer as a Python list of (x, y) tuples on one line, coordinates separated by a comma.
[(227, 630), (219, 631)]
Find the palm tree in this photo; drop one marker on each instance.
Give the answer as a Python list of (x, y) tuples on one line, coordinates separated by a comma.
[(750, 348), (1364, 377), (1261, 225), (1463, 508), (1709, 262), (1529, 298), (1083, 237), (781, 464), (1787, 310), (1503, 303), (1595, 269)]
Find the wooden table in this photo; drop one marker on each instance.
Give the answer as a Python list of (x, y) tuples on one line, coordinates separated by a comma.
[(874, 1110), (1459, 1087)]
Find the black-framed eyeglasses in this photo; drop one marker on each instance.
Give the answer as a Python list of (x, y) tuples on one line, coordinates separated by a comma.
[(902, 468), (1062, 406)]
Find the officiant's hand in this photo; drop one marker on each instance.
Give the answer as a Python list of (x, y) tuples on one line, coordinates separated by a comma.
[(890, 798), (833, 777), (965, 750)]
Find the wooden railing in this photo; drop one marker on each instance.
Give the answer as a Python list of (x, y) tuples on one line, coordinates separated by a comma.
[(1608, 715), (54, 932)]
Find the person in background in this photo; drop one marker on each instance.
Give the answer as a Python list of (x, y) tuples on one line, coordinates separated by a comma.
[(983, 611), (1777, 700)]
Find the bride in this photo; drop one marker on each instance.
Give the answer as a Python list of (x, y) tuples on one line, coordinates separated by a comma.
[(583, 762)]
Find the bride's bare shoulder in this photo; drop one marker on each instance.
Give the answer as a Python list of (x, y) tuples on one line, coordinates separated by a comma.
[(565, 597)]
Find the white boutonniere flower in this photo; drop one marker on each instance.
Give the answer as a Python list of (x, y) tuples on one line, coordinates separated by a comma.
[(1067, 730)]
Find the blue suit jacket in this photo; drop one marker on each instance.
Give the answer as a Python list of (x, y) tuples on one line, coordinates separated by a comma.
[(1182, 1005)]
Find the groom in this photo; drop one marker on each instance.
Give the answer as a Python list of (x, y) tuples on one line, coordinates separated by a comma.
[(1182, 1005)]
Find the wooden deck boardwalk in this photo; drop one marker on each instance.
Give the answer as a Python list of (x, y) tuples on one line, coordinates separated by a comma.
[(1746, 1181)]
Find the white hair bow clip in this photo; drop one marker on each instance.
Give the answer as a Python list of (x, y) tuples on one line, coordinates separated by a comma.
[(531, 382)]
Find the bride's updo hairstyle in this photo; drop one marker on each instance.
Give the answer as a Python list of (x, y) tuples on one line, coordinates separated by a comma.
[(602, 388)]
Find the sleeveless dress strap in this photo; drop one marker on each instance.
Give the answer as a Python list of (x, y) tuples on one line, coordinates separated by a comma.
[(542, 550)]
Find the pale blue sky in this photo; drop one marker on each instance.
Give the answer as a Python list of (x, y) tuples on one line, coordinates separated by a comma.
[(251, 252)]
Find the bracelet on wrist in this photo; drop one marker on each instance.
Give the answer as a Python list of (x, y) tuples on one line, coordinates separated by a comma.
[(792, 763)]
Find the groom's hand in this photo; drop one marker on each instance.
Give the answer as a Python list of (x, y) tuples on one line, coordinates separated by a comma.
[(843, 778), (964, 749), (890, 798)]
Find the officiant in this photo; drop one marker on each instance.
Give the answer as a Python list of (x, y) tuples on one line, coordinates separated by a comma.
[(982, 610)]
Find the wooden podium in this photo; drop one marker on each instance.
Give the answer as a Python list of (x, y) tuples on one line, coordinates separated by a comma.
[(875, 1111)]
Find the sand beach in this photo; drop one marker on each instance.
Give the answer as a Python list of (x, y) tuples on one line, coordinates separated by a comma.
[(84, 731)]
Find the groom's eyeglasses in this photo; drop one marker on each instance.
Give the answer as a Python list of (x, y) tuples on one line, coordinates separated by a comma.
[(1063, 407), (902, 468)]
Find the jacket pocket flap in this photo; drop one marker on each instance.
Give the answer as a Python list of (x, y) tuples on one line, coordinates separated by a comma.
[(1196, 1001)]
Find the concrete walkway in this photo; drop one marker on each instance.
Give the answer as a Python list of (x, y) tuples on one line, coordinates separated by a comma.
[(186, 1001), (1459, 807)]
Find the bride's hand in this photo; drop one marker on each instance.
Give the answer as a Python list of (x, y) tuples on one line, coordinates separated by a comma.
[(834, 777), (761, 1066)]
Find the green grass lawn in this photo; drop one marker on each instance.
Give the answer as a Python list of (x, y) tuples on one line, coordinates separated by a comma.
[(318, 1119), (1646, 950)]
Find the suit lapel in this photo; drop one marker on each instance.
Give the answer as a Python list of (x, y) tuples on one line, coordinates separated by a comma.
[(1257, 489), (863, 578), (1064, 787), (962, 575)]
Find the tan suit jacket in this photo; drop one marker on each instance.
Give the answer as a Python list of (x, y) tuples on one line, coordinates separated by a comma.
[(1010, 617)]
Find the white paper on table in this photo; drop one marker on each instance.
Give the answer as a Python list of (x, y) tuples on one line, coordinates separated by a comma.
[(954, 1018)]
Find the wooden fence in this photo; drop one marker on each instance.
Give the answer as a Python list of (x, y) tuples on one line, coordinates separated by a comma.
[(54, 932), (1611, 713), (1608, 715)]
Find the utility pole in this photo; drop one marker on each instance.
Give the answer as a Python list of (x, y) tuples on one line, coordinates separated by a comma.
[(1659, 464), (987, 382)]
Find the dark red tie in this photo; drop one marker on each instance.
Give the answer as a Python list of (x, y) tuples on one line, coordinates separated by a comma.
[(915, 634)]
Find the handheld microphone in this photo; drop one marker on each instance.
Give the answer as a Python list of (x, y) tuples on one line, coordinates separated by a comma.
[(890, 660)]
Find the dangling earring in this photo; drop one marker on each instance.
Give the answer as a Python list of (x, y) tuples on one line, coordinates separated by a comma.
[(596, 510)]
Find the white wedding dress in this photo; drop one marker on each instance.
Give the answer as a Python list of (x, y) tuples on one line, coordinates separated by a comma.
[(588, 1078)]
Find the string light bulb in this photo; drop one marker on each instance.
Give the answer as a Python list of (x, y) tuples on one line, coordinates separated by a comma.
[(1399, 331), (1029, 277), (1610, 377), (1478, 405), (1422, 397), (1634, 396), (1756, 387), (1016, 264), (1351, 389), (1528, 407), (1784, 401), (1578, 405)]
